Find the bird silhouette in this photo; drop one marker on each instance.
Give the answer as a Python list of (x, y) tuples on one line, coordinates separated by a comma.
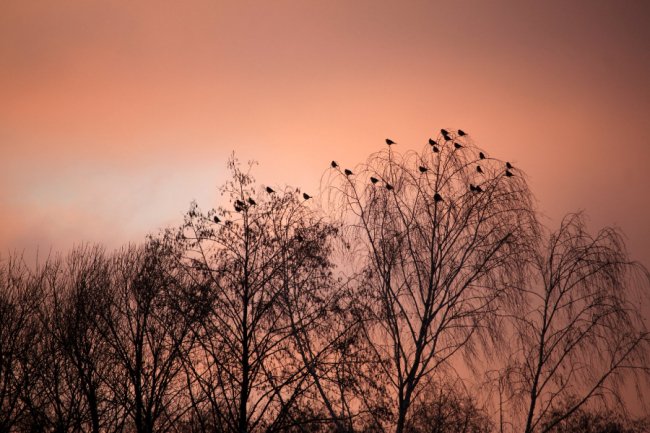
[(270, 190), (509, 173), (457, 145), (237, 207), (444, 132), (481, 155), (435, 149), (251, 201), (478, 188), (306, 196), (461, 132), (508, 165), (389, 187), (479, 169), (472, 187), (446, 137), (334, 164), (347, 172), (216, 219), (423, 169), (432, 142), (374, 180), (389, 141), (437, 197)]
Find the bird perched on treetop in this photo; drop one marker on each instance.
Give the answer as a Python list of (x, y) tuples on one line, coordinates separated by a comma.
[(432, 142), (508, 165), (389, 141), (472, 187), (374, 179), (461, 132), (437, 197), (347, 172), (251, 201), (334, 164), (306, 196), (479, 169), (444, 132), (481, 155), (216, 219), (435, 149), (389, 187), (457, 145), (478, 188), (509, 173), (423, 169), (270, 190)]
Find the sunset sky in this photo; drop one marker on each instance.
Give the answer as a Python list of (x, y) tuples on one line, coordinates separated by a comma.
[(114, 115)]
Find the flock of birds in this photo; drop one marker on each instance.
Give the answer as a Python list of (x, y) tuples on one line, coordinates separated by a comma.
[(240, 205)]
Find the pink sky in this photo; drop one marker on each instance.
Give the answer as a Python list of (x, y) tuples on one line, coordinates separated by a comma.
[(114, 115)]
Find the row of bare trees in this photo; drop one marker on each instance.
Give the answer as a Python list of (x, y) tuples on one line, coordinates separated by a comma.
[(422, 295)]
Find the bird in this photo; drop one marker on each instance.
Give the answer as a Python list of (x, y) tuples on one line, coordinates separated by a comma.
[(432, 142), (216, 219), (435, 149), (457, 145), (479, 169), (347, 172), (389, 187), (446, 136), (251, 201), (509, 173), (437, 197), (461, 132), (423, 169), (481, 155), (374, 180), (444, 132), (478, 188), (306, 196), (508, 165), (389, 141), (237, 206), (334, 164), (270, 190), (472, 187)]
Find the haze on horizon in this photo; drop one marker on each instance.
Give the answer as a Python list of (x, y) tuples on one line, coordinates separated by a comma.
[(115, 115)]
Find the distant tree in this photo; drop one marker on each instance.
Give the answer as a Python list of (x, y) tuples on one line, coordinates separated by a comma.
[(434, 238), (592, 421), (578, 331), (253, 267)]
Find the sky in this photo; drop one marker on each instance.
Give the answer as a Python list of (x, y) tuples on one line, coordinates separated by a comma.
[(115, 115)]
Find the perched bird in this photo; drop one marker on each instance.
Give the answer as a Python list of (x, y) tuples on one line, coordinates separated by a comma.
[(478, 188), (472, 187), (238, 207), (509, 173), (457, 145), (251, 201), (508, 165), (461, 132), (423, 169), (216, 219), (479, 169), (347, 172), (446, 136), (270, 190), (481, 155), (334, 164), (374, 180), (389, 141), (389, 187), (306, 196), (437, 197), (432, 142), (435, 149), (444, 132)]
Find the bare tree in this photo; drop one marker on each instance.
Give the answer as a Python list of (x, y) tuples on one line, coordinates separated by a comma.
[(435, 233), (253, 264), (19, 298), (578, 334), (146, 337)]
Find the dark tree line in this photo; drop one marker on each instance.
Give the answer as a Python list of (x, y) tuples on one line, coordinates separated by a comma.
[(422, 296)]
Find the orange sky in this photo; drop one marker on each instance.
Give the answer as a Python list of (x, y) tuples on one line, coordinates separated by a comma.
[(115, 114)]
